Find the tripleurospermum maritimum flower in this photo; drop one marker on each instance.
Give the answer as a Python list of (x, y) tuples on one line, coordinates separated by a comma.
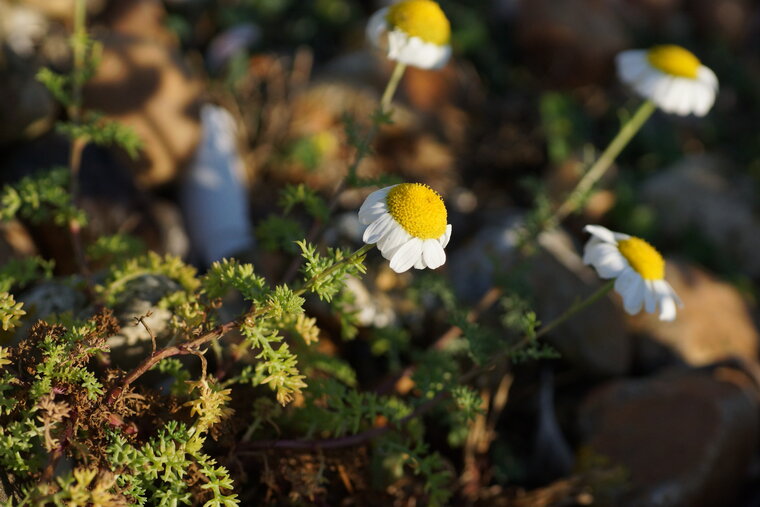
[(414, 32), (408, 224), (671, 77), (638, 270)]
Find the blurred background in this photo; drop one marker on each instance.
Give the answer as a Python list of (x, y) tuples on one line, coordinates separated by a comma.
[(233, 99)]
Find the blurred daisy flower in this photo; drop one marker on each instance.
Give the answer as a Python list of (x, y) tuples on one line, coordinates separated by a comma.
[(414, 32), (671, 77), (408, 223), (638, 268)]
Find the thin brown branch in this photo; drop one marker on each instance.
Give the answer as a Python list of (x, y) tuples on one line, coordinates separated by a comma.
[(189, 347), (141, 320)]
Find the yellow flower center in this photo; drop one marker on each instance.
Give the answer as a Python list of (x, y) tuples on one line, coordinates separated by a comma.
[(418, 209), (643, 258), (420, 18), (674, 60)]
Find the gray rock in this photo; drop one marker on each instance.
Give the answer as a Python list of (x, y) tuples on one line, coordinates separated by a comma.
[(701, 193), (133, 341)]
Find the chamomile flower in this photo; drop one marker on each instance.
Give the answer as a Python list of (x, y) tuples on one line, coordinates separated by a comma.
[(671, 77), (408, 223), (414, 32), (638, 269)]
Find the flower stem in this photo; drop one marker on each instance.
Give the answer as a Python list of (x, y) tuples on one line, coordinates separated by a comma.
[(390, 88), (329, 271), (604, 162), (360, 438)]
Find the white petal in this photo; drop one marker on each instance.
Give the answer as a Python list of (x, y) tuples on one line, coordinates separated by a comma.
[(659, 94), (704, 98), (420, 264), (433, 253), (650, 297), (444, 240), (373, 205), (625, 281), (667, 300), (377, 229), (682, 104), (393, 239), (671, 97), (407, 256), (416, 52), (708, 77), (607, 260), (600, 232), (667, 309), (595, 250), (648, 82), (633, 299)]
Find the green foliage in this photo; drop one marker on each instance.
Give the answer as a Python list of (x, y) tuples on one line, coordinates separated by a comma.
[(10, 311), (21, 272), (338, 410), (229, 274), (361, 139), (65, 353), (391, 342), (293, 195), (277, 233), (41, 198), (121, 274), (115, 248), (484, 342), (277, 364), (175, 369), (416, 456), (96, 129), (57, 84), (324, 274), (564, 125), (518, 316)]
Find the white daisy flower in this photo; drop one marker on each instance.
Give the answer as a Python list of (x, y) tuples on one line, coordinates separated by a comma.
[(671, 77), (638, 268), (413, 32), (408, 223)]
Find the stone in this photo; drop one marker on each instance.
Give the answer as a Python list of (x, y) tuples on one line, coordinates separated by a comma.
[(596, 340), (715, 322), (683, 437), (144, 85), (28, 108), (133, 342), (703, 193)]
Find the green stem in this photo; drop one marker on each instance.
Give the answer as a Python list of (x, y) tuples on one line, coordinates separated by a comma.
[(390, 88), (594, 174), (329, 271), (575, 308), (365, 436), (570, 312)]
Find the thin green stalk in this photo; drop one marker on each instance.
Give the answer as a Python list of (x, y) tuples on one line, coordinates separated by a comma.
[(329, 271), (390, 88), (594, 174), (365, 436), (570, 312)]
